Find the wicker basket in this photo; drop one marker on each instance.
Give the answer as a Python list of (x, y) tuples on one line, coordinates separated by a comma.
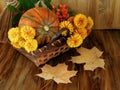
[(47, 52)]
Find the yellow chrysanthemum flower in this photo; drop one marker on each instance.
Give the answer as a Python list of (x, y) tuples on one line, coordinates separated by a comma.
[(67, 25), (27, 32), (80, 21), (15, 44), (14, 34), (90, 23), (31, 45), (75, 40), (21, 42), (64, 33), (82, 32)]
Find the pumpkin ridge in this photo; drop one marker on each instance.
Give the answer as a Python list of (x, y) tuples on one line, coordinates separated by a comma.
[(29, 14), (52, 22), (39, 15), (39, 30), (54, 27), (26, 17), (51, 35), (32, 26), (48, 15), (51, 30), (43, 38)]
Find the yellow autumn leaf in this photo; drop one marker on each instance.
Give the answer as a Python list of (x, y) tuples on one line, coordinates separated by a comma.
[(58, 73), (91, 58)]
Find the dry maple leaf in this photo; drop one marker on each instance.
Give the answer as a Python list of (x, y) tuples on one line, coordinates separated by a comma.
[(58, 73), (91, 58)]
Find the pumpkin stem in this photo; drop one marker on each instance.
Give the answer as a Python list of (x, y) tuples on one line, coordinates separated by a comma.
[(46, 28)]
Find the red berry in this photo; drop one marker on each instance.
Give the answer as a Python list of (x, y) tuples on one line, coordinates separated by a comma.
[(58, 10), (53, 6), (61, 6), (60, 16), (64, 6), (67, 15), (64, 9), (64, 16), (57, 13)]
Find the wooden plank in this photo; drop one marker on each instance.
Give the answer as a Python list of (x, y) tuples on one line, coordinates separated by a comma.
[(2, 5), (106, 13), (18, 73)]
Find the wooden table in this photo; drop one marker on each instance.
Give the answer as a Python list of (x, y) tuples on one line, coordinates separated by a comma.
[(18, 73)]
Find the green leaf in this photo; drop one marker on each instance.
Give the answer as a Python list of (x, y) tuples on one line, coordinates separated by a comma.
[(34, 1), (71, 13), (16, 19), (47, 3), (11, 8), (25, 4)]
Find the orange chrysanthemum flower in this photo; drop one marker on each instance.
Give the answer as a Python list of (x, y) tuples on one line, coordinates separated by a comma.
[(71, 20), (80, 21), (75, 40), (67, 25), (82, 32)]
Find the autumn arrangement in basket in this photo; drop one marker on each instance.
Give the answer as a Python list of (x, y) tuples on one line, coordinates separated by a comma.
[(40, 25), (42, 30)]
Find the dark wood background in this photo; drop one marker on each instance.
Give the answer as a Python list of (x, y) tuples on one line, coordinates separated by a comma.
[(18, 73)]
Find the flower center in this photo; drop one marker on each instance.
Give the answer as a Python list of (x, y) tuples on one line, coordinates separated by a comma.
[(81, 21)]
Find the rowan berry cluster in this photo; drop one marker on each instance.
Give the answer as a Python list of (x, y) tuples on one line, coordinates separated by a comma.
[(61, 12)]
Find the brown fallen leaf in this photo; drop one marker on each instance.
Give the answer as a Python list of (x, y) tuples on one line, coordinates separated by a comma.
[(91, 58), (58, 73)]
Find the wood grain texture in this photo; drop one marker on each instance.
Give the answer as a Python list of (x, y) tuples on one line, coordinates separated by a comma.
[(18, 73), (106, 13), (2, 5), (6, 18)]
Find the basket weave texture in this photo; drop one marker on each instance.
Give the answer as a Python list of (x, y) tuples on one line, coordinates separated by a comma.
[(47, 52)]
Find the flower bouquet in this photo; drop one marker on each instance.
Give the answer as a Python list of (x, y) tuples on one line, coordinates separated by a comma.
[(46, 30)]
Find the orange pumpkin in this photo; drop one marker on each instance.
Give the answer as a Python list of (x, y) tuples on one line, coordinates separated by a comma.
[(43, 20)]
